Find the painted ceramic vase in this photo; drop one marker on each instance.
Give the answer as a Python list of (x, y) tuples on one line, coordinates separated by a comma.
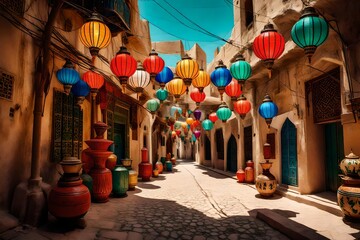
[(159, 166), (133, 179), (348, 196), (249, 172), (240, 175), (266, 182), (120, 181), (350, 165)]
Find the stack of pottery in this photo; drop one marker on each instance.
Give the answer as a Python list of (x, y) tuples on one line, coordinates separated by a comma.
[(145, 168), (70, 199), (266, 182), (348, 194), (159, 166), (102, 177)]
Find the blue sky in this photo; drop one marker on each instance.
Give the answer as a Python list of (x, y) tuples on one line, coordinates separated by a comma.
[(168, 22)]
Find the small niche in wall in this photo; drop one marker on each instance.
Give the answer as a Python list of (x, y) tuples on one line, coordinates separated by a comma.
[(270, 138)]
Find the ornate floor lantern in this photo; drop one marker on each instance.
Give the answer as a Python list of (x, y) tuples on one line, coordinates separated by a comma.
[(310, 31), (68, 76), (268, 109), (242, 106), (187, 69), (202, 80), (268, 46), (266, 182), (240, 69), (221, 77)]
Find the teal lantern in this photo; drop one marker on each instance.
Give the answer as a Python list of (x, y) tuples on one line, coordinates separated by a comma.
[(310, 31), (240, 69), (162, 94), (68, 76), (152, 105), (223, 112), (175, 110), (268, 109), (207, 125), (193, 138)]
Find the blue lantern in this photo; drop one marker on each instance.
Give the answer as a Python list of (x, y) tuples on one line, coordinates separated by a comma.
[(162, 94), (174, 110), (268, 110), (207, 125), (240, 69), (221, 77), (223, 112), (165, 76), (80, 90), (68, 76)]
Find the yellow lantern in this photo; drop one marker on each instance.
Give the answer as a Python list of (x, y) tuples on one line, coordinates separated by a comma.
[(176, 87), (202, 80), (187, 69), (189, 121), (94, 34)]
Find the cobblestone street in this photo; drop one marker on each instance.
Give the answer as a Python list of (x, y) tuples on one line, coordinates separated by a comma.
[(189, 203)]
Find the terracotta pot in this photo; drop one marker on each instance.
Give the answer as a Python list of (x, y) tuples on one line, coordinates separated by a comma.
[(87, 161), (120, 179), (144, 155), (99, 144), (240, 175), (126, 162), (266, 182), (348, 197), (146, 169), (249, 172), (100, 128), (111, 162), (173, 161), (155, 172), (133, 179), (69, 200), (159, 166), (350, 165), (71, 165)]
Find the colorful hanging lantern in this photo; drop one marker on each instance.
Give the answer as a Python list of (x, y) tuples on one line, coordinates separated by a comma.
[(184, 125), (195, 125), (193, 138), (94, 34), (178, 132), (213, 117), (187, 69), (197, 96), (175, 111), (153, 64), (152, 105), (240, 69), (140, 79), (123, 65), (268, 46), (221, 77), (268, 110), (223, 112), (310, 31), (80, 90), (233, 90), (162, 94), (197, 114), (165, 76), (94, 80), (242, 106), (207, 125), (202, 80), (176, 87), (177, 125), (197, 134), (189, 121), (68, 76), (173, 134)]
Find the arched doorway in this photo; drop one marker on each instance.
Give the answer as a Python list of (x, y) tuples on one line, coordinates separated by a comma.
[(207, 148), (289, 166), (169, 145), (232, 155)]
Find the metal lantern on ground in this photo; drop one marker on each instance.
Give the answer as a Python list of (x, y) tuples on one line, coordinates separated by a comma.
[(197, 114), (80, 90), (242, 106), (202, 80), (268, 110), (123, 65), (187, 69), (94, 34), (162, 94), (213, 117), (153, 64), (176, 87), (223, 112), (94, 80), (152, 105), (240, 69), (233, 90), (310, 31), (197, 96), (268, 46), (68, 76), (207, 125), (221, 77), (165, 76), (140, 79)]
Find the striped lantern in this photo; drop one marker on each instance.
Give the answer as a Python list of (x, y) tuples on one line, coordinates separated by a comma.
[(123, 65), (94, 80), (152, 105), (162, 94), (94, 34), (233, 90), (197, 96), (140, 79), (176, 87), (242, 106), (240, 69), (202, 80), (207, 125), (165, 76), (187, 69), (221, 77), (153, 64), (268, 110), (68, 76), (213, 117), (80, 90), (223, 112)]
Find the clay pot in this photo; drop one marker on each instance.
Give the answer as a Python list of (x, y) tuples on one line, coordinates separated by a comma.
[(146, 171), (99, 144), (71, 165), (100, 128), (133, 179), (126, 162), (159, 166), (155, 172), (348, 196), (350, 165), (120, 179), (266, 182), (240, 175), (249, 172), (173, 161), (111, 162)]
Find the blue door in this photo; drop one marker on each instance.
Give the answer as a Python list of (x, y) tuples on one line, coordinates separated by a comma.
[(232, 155), (289, 154)]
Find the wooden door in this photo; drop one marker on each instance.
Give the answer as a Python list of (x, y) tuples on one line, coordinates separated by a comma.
[(289, 166)]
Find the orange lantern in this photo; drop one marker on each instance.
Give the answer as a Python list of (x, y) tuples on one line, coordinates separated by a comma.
[(94, 80), (233, 90), (242, 106), (187, 69), (176, 87), (189, 121), (202, 80), (195, 125)]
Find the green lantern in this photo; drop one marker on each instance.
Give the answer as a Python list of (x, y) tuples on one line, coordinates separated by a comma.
[(162, 94), (177, 125), (207, 125), (152, 105), (310, 31), (223, 113), (240, 69)]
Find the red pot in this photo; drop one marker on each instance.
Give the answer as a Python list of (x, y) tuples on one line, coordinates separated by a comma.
[(240, 175), (249, 172), (146, 169), (102, 184)]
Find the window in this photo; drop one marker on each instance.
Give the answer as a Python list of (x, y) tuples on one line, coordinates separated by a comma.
[(249, 13), (6, 85)]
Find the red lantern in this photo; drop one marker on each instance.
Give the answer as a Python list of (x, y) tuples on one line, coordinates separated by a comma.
[(153, 64), (178, 132), (173, 134), (197, 96), (195, 125), (213, 117), (242, 106), (94, 80), (233, 90), (123, 65), (268, 46)]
